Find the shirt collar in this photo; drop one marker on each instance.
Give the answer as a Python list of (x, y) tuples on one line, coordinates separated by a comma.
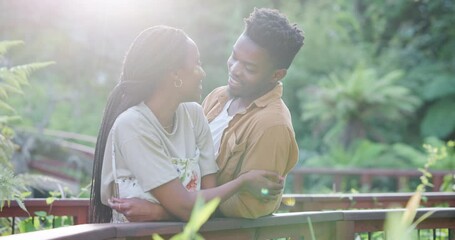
[(262, 101), (270, 96)]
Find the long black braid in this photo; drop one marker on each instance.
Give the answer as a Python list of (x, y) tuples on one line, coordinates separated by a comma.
[(155, 52)]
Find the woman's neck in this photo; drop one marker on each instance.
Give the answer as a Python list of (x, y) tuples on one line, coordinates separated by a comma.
[(164, 108)]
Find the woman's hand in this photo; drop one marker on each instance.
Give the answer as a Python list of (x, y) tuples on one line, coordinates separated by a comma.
[(139, 210), (262, 184)]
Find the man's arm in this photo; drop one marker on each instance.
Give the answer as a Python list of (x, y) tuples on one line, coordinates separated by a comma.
[(275, 150)]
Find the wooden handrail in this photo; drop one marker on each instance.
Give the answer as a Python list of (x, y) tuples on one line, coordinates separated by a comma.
[(61, 134), (70, 135), (67, 140), (366, 176), (45, 167), (338, 225), (318, 202)]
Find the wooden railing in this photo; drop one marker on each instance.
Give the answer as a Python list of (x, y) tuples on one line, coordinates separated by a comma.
[(318, 202), (78, 209), (67, 157), (333, 225), (366, 176)]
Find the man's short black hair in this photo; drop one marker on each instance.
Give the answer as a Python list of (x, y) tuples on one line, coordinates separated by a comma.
[(271, 30)]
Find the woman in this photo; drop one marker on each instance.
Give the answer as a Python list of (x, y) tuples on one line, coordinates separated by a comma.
[(154, 142)]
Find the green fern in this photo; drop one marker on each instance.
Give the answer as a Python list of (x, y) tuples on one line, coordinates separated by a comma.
[(345, 106), (12, 187), (5, 45), (13, 79)]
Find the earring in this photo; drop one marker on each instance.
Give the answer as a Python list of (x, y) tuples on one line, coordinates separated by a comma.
[(178, 83)]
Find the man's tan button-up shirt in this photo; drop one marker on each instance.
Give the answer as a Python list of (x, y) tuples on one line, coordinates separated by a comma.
[(261, 137)]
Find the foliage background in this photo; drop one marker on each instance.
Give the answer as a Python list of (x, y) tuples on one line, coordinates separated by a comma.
[(374, 80)]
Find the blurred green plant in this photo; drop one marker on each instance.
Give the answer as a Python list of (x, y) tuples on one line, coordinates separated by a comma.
[(367, 154), (39, 221), (12, 80), (347, 106), (419, 37), (42, 221), (400, 225), (200, 214)]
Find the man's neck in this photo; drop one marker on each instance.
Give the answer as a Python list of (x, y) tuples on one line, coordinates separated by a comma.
[(241, 103), (238, 105)]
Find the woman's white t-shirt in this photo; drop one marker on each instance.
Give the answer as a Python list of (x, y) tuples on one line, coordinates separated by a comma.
[(144, 151)]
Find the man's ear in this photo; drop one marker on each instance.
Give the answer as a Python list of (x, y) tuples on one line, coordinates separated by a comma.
[(279, 74)]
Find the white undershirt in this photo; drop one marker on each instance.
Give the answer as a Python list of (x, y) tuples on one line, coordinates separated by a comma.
[(218, 125)]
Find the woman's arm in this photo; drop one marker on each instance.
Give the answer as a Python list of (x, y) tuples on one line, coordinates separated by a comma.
[(208, 181), (140, 210), (179, 202)]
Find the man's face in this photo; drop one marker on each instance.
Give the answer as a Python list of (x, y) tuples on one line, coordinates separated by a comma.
[(251, 72)]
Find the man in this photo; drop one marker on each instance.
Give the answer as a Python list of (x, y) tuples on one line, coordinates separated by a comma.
[(251, 126)]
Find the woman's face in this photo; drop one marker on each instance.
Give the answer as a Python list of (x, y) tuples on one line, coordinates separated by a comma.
[(191, 74)]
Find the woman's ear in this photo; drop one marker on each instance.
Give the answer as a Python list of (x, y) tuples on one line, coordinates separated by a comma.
[(279, 74), (178, 73), (174, 75)]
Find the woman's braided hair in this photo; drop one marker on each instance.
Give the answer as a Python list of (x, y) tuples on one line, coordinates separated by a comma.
[(155, 52), (271, 30)]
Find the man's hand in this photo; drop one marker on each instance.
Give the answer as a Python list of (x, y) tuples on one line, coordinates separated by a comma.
[(263, 185)]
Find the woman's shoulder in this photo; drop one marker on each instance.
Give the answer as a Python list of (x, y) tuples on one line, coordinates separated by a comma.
[(192, 106), (131, 119), (131, 114), (193, 109)]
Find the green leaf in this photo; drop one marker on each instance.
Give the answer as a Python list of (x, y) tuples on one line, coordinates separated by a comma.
[(5, 45), (203, 213), (37, 223), (313, 237), (439, 121), (200, 214), (8, 119), (22, 205), (440, 86), (7, 107), (26, 225), (5, 88), (40, 213), (50, 200), (157, 237)]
